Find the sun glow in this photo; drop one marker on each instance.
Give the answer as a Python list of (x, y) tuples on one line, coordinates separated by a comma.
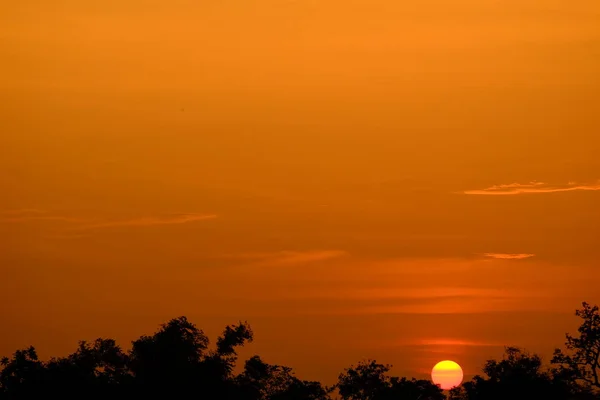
[(447, 374)]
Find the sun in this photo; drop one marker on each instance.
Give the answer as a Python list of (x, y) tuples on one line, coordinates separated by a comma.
[(447, 374)]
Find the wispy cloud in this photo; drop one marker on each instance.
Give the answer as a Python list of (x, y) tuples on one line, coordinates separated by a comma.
[(22, 211), (84, 224), (453, 342), (150, 221), (533, 187), (429, 293), (295, 257), (286, 257), (30, 214), (42, 218), (505, 256)]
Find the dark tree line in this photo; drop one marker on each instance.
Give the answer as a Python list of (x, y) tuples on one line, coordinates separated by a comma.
[(176, 362)]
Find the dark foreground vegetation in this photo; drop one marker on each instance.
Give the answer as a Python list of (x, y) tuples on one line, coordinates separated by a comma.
[(176, 363)]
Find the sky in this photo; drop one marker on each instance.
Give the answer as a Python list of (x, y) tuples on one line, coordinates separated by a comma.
[(403, 181)]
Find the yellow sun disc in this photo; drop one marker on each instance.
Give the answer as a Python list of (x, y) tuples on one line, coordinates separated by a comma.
[(447, 374)]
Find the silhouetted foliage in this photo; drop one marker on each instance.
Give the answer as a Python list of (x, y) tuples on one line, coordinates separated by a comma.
[(369, 381), (23, 375), (262, 381), (517, 376), (176, 362), (366, 381), (520, 376), (581, 362)]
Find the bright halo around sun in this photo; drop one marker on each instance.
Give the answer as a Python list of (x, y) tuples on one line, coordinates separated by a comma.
[(447, 374)]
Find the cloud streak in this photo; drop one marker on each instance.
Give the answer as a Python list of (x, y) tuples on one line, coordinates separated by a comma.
[(285, 257), (505, 256), (29, 218), (85, 224), (533, 187), (150, 221), (453, 342), (22, 212), (31, 214)]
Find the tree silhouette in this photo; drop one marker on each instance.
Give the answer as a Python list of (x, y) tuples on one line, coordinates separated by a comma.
[(176, 362), (413, 389), (582, 360), (216, 369), (520, 376), (167, 362), (366, 381), (262, 381), (369, 381), (22, 375), (94, 371)]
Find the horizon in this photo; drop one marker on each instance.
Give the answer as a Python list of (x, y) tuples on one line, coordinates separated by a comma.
[(408, 183), (245, 352)]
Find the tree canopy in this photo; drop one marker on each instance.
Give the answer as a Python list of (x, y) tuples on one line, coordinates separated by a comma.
[(177, 361)]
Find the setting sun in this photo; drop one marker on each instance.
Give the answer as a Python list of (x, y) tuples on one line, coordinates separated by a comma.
[(364, 183), (447, 374)]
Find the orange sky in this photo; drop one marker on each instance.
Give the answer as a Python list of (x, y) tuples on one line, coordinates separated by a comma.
[(406, 181)]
